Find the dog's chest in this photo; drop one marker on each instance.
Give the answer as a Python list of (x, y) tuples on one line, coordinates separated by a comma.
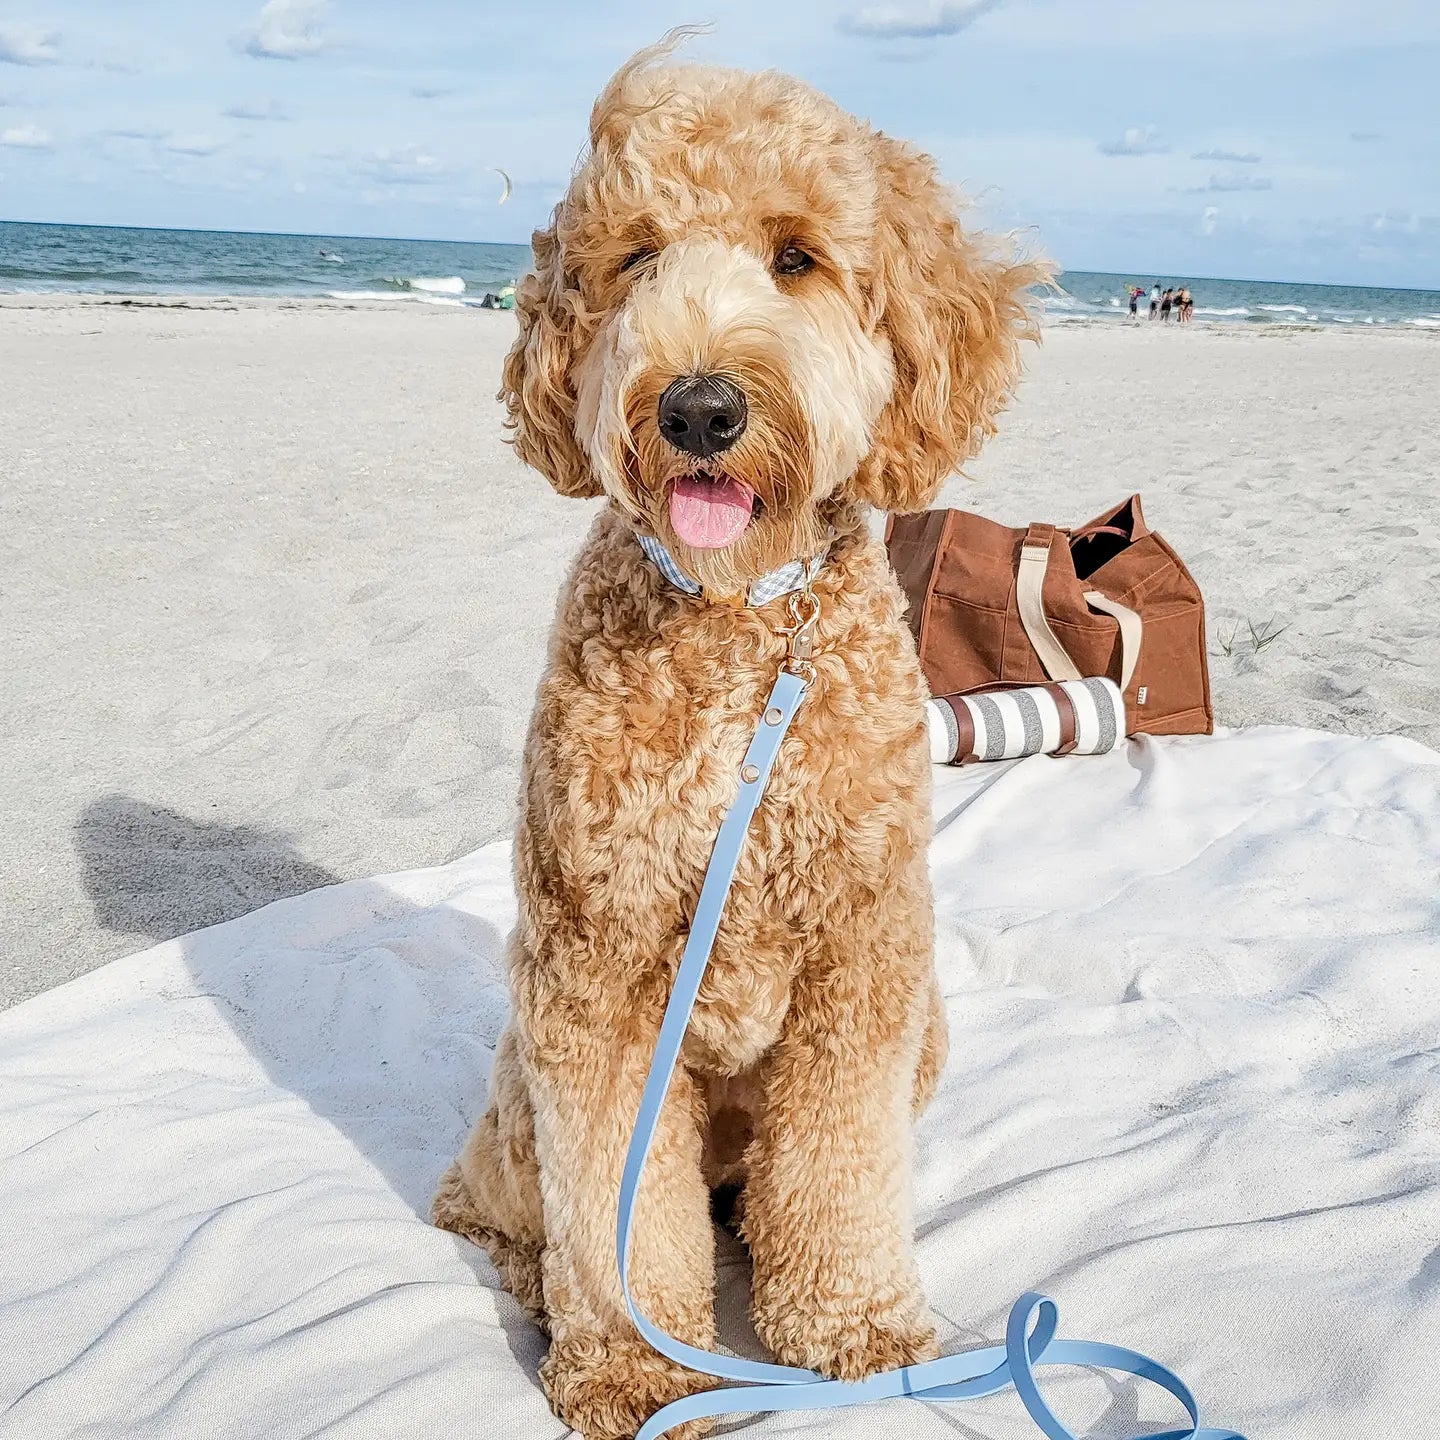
[(769, 924), (654, 784)]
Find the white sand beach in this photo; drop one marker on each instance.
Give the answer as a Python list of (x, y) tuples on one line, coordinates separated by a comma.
[(275, 591)]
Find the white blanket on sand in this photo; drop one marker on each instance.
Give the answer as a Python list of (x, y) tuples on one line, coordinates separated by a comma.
[(1194, 1094)]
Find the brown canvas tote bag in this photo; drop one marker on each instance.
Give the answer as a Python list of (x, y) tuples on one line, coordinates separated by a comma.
[(990, 604)]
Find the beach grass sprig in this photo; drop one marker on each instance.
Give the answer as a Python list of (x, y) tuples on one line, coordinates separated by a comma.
[(1267, 634), (1261, 636)]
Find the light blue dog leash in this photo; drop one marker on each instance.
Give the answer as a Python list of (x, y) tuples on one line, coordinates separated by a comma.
[(768, 1387)]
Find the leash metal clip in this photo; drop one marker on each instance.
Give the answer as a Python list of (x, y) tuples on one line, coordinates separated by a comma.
[(799, 635)]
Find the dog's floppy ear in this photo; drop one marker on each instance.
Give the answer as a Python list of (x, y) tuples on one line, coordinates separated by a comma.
[(538, 386), (954, 315), (539, 383)]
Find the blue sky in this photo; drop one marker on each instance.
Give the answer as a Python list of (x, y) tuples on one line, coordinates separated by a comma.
[(1281, 139)]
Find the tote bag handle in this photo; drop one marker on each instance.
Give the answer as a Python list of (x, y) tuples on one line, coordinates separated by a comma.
[(1029, 596), (1132, 631)]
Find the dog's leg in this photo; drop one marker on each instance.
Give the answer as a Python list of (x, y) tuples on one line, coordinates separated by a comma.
[(601, 1377), (828, 1206), (491, 1194)]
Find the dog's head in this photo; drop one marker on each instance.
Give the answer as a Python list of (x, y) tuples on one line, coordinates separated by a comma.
[(749, 305)]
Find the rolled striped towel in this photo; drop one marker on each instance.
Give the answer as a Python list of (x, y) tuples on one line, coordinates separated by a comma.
[(1069, 717)]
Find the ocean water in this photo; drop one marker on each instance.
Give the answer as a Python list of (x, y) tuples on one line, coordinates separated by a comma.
[(1087, 296), (112, 261)]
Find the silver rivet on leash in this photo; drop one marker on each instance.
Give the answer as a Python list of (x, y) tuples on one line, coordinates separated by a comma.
[(750, 773), (773, 716)]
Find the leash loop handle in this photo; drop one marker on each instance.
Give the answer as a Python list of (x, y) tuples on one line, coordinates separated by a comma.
[(1029, 1334)]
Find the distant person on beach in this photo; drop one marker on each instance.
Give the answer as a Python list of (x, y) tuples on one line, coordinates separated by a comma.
[(1155, 300), (1167, 300), (1187, 305), (504, 300), (1135, 293)]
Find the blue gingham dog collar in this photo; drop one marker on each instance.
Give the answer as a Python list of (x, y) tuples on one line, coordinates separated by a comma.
[(795, 575)]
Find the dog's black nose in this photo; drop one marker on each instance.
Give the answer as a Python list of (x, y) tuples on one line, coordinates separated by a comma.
[(702, 414)]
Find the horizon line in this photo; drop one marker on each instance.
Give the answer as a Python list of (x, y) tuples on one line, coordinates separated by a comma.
[(525, 245)]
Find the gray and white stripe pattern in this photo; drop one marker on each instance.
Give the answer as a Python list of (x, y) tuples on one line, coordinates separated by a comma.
[(944, 733), (1088, 716)]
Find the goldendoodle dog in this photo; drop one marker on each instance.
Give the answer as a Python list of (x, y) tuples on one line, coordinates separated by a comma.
[(752, 319)]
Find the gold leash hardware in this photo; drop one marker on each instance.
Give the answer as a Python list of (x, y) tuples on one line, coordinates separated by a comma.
[(799, 635)]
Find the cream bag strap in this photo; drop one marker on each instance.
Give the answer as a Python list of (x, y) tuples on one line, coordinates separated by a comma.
[(1132, 631), (1029, 596)]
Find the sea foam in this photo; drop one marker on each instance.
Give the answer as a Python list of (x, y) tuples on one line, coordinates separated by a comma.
[(432, 285)]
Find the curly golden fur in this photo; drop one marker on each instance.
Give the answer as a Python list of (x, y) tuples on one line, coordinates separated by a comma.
[(819, 1030)]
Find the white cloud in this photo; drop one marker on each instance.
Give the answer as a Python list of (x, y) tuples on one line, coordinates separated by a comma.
[(26, 137), (1408, 226), (1137, 140), (1365, 137), (1223, 184), (258, 110), (925, 22), (1230, 157), (25, 45), (1208, 216), (1122, 25), (408, 165), (428, 92), (192, 145), (132, 134), (288, 29)]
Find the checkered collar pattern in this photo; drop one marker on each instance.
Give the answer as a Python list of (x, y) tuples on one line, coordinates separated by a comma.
[(794, 575)]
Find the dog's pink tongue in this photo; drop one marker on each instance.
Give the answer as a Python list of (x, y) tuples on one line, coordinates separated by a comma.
[(710, 514)]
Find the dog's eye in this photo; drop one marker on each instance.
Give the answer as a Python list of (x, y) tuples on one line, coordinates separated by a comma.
[(792, 260), (634, 258)]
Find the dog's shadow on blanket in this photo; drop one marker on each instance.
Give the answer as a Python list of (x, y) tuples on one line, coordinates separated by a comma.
[(378, 1013)]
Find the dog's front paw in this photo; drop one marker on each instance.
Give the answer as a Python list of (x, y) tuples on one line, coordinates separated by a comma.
[(607, 1389), (848, 1342)]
